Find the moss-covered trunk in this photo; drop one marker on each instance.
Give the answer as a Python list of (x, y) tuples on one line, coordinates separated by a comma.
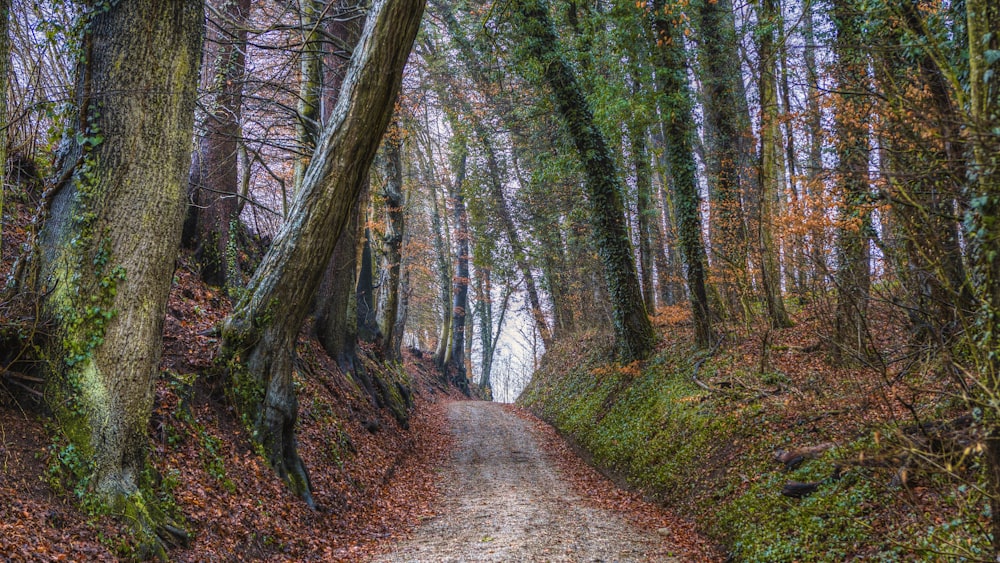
[(679, 132), (442, 249), (259, 336), (633, 331), (335, 305), (309, 118), (983, 19), (112, 237)]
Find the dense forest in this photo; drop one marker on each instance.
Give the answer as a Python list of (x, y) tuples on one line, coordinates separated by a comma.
[(773, 225)]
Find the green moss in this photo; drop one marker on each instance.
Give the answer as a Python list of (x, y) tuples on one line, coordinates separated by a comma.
[(671, 439)]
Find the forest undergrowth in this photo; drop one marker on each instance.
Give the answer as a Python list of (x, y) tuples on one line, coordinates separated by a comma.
[(774, 452)]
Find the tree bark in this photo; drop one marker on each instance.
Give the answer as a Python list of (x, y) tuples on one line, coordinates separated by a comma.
[(634, 336), (111, 240), (214, 178), (335, 305), (259, 336), (814, 162), (368, 329), (442, 249)]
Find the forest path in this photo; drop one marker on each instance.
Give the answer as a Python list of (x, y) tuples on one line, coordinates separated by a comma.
[(505, 500)]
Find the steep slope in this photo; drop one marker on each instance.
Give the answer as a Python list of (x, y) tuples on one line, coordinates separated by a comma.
[(373, 466), (776, 454)]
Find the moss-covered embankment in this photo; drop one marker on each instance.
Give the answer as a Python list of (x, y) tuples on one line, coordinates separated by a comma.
[(710, 455)]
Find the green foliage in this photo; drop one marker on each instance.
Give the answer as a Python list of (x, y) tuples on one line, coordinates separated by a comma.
[(828, 525), (69, 471)]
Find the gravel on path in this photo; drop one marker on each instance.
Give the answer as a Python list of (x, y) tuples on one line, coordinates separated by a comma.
[(504, 499)]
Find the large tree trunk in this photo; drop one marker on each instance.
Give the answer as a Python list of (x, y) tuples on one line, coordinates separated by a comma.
[(214, 179), (679, 131), (634, 335), (771, 169), (259, 336), (110, 243), (335, 304)]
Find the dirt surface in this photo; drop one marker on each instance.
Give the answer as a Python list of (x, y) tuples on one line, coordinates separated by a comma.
[(505, 499)]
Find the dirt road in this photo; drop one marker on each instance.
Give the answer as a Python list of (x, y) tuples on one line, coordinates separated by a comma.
[(504, 500)]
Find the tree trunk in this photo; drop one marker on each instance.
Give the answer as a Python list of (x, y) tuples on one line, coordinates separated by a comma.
[(729, 147), (110, 243), (309, 117), (646, 212), (461, 279), (214, 178), (814, 163), (983, 19), (442, 249), (4, 84), (335, 305), (854, 222), (795, 265), (368, 330), (259, 336), (393, 241), (634, 336), (771, 169), (679, 131)]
